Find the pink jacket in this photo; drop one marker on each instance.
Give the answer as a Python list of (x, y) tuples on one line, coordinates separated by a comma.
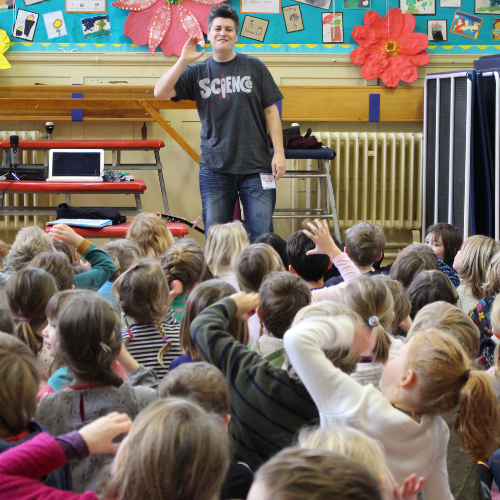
[(22, 467)]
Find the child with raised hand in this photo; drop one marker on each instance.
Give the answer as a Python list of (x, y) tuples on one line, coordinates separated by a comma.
[(431, 375), (150, 232), (21, 378), (471, 263), (465, 482), (354, 444), (282, 295), (90, 341), (27, 292), (123, 253), (151, 462), (204, 295), (152, 334), (297, 474), (429, 287), (102, 265), (252, 266), (184, 261), (225, 242), (204, 384)]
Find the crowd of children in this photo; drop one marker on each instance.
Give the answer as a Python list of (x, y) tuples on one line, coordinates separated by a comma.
[(155, 369)]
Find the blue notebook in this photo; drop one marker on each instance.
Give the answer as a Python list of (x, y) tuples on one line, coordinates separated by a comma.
[(92, 223)]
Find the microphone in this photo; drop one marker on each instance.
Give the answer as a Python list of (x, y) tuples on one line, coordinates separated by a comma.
[(14, 151)]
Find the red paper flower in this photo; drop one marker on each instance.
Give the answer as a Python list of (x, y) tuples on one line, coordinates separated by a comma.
[(388, 47), (166, 23)]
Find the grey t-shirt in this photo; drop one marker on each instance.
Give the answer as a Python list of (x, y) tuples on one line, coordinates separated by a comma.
[(231, 98)]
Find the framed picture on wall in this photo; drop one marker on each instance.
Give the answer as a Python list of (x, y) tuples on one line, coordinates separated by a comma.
[(437, 30), (293, 18), (487, 6), (418, 7), (85, 5), (357, 4), (260, 6), (321, 4), (25, 25), (495, 29), (254, 28), (466, 25), (333, 27), (450, 4)]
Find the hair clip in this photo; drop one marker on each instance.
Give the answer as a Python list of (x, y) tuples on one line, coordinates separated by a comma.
[(373, 321), (277, 263), (133, 268), (26, 320), (106, 348)]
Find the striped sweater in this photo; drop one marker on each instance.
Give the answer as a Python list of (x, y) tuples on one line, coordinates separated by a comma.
[(147, 341), (267, 407)]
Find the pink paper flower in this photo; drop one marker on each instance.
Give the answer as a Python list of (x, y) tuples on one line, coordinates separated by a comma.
[(166, 23), (388, 47)]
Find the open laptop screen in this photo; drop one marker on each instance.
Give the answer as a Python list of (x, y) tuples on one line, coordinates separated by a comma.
[(76, 164)]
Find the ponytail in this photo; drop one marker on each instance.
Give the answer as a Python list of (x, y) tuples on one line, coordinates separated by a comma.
[(382, 346), (478, 419), (25, 333)]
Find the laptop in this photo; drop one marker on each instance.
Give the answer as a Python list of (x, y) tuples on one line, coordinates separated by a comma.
[(76, 165)]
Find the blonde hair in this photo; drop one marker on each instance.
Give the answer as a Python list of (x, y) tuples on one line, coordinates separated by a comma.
[(254, 264), (29, 242), (364, 243), (368, 297), (451, 319), (491, 287), (58, 265), (204, 295), (184, 261), (151, 234), (349, 442), (123, 253), (446, 380), (174, 450), (201, 383), (412, 261), (28, 291), (225, 242), (20, 376), (477, 253), (303, 474), (341, 358), (142, 293), (402, 304)]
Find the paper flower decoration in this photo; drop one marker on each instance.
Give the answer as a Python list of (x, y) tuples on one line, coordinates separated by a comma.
[(388, 47), (4, 45), (166, 23)]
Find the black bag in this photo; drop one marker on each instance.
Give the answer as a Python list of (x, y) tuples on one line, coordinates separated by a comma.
[(64, 211)]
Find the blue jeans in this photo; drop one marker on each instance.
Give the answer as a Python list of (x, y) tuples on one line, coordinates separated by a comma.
[(219, 193)]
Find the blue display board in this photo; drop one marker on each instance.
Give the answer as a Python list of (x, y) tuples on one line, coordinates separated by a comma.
[(280, 37)]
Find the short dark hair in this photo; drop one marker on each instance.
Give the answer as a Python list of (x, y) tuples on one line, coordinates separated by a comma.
[(412, 261), (277, 242), (308, 267), (224, 11)]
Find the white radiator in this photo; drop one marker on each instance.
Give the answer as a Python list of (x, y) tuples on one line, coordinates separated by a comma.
[(377, 178), (28, 200)]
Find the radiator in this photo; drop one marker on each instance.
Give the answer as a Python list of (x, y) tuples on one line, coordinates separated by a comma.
[(28, 200), (377, 178)]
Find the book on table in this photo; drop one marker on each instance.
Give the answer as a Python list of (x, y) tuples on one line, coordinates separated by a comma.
[(91, 223)]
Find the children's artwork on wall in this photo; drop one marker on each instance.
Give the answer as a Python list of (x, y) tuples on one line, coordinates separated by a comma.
[(357, 4), (495, 29), (437, 31), (25, 25), (293, 18), (55, 25), (85, 5), (260, 6), (466, 25), (450, 4), (28, 3), (333, 27), (321, 4), (254, 28), (487, 6), (6, 5), (418, 7), (95, 27)]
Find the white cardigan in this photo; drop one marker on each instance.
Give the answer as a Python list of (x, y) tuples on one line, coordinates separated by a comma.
[(410, 446)]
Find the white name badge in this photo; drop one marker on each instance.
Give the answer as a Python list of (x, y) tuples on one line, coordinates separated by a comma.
[(268, 181)]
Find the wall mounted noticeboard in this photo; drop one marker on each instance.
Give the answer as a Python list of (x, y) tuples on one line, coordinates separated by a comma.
[(266, 26)]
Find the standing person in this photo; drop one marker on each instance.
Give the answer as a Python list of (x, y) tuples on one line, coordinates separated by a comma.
[(236, 98)]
